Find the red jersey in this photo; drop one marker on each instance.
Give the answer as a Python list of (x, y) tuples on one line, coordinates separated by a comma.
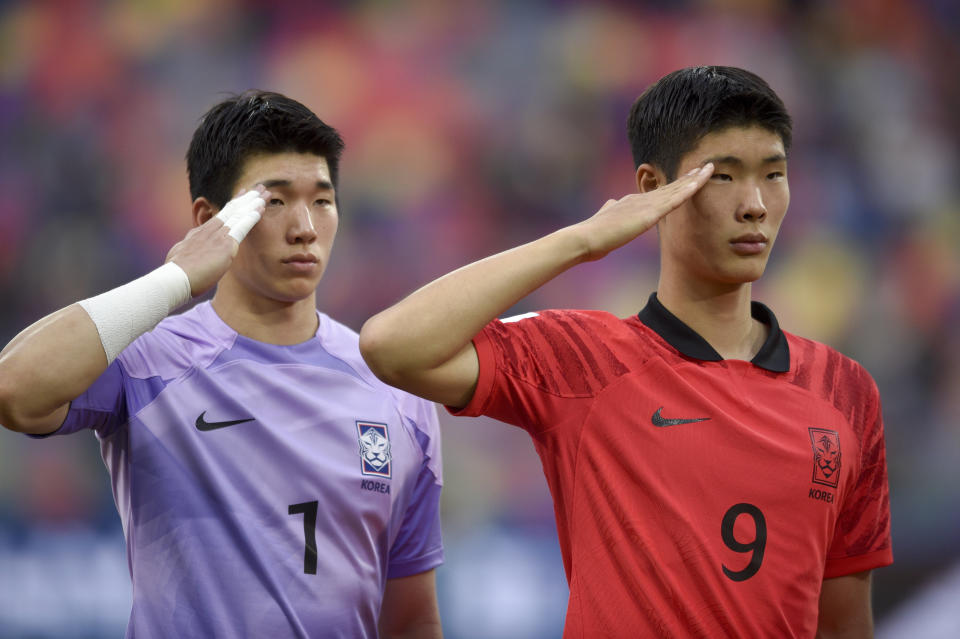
[(694, 496)]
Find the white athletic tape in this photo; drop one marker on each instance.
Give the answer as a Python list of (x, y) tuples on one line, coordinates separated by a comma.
[(241, 213), (125, 313), (241, 224), (236, 205)]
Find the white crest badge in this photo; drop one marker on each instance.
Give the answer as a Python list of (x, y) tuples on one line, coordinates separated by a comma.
[(374, 449)]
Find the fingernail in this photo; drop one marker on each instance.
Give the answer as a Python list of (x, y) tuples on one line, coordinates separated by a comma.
[(706, 167)]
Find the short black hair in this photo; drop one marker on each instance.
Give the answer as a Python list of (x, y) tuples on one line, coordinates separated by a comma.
[(668, 120), (247, 124)]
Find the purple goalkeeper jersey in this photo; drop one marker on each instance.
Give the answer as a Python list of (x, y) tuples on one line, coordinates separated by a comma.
[(264, 490)]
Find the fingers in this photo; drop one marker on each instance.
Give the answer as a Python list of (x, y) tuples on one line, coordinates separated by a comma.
[(237, 205), (696, 178), (241, 213), (240, 225), (683, 188), (693, 179)]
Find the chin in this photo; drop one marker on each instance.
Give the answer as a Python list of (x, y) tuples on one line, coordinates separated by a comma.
[(742, 274), (752, 268), (292, 294), (749, 276), (298, 296)]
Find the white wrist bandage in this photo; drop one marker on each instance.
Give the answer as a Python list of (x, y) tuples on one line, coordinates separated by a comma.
[(127, 312)]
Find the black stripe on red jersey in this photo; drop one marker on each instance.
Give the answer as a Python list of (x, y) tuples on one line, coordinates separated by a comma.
[(522, 354), (611, 364), (774, 355)]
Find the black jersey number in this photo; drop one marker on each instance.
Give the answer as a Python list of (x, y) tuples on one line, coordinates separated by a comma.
[(755, 545), (309, 510)]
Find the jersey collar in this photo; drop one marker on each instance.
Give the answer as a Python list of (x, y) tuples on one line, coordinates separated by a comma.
[(774, 355)]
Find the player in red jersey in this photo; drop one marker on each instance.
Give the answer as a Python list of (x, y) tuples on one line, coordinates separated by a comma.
[(713, 475)]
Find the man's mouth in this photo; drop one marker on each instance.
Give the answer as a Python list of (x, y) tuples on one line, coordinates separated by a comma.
[(749, 244), (300, 258)]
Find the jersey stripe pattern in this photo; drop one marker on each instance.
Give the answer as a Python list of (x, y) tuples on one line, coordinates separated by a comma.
[(694, 496)]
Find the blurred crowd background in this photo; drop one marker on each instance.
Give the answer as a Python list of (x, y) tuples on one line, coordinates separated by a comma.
[(472, 127)]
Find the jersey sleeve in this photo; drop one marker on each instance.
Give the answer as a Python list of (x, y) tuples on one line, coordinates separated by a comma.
[(101, 407), (861, 540), (531, 365), (418, 546)]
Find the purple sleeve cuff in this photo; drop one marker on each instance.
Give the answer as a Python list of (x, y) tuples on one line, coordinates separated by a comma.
[(101, 407)]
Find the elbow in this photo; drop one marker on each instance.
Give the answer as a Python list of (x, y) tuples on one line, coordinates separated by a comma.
[(16, 413), (9, 418), (374, 349)]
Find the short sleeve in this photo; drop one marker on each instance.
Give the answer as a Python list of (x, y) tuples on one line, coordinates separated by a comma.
[(487, 361), (861, 539), (101, 407), (418, 546), (531, 367)]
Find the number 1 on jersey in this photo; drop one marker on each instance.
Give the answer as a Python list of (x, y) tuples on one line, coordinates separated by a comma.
[(309, 510)]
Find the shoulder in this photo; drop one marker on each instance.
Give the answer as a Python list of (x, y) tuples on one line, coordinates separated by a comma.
[(178, 343), (343, 343), (569, 324), (560, 350), (813, 358), (835, 377)]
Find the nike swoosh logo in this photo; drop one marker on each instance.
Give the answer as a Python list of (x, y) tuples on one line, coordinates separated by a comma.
[(660, 421), (204, 425)]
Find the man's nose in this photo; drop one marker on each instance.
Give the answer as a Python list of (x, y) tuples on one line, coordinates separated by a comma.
[(752, 208), (301, 229)]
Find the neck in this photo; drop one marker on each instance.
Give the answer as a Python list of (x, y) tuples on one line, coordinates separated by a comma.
[(718, 313), (266, 320)]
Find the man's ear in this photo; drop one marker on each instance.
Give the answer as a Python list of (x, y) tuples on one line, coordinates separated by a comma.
[(203, 210), (649, 178)]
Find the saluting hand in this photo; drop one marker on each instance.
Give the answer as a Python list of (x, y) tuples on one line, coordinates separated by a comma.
[(207, 251), (620, 221)]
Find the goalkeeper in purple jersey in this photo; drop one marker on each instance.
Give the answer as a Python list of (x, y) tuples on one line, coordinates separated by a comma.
[(268, 484)]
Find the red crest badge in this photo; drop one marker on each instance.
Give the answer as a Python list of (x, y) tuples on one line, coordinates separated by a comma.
[(826, 456)]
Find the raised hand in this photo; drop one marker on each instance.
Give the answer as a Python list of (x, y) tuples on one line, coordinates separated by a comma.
[(207, 251), (620, 221)]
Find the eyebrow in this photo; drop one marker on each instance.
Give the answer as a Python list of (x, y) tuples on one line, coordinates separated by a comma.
[(732, 159), (321, 184)]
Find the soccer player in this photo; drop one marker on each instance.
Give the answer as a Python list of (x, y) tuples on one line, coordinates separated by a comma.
[(268, 484), (712, 474)]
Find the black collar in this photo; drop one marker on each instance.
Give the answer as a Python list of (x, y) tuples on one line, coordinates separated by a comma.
[(774, 355)]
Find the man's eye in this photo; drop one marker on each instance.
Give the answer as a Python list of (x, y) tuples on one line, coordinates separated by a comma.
[(275, 201), (323, 202), (723, 177), (776, 175)]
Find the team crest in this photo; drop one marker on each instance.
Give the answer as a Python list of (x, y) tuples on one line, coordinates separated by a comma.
[(826, 456), (374, 449)]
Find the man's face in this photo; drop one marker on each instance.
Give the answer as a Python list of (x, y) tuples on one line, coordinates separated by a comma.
[(724, 233), (287, 251)]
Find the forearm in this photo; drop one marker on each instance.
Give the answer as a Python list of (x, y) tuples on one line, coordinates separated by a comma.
[(422, 344), (409, 609), (845, 611), (427, 630), (433, 324), (858, 629), (46, 366), (56, 359)]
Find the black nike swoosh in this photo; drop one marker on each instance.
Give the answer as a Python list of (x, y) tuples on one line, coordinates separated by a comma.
[(663, 421), (204, 425)]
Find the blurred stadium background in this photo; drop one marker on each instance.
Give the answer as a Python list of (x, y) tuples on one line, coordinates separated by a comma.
[(472, 127)]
